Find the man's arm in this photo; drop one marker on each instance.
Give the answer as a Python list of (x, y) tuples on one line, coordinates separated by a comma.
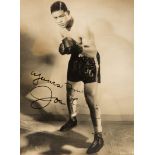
[(88, 43)]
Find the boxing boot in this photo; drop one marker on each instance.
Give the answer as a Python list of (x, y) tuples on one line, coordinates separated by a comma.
[(71, 123), (97, 144)]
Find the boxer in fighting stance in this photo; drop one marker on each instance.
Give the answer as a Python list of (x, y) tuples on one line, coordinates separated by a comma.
[(84, 65)]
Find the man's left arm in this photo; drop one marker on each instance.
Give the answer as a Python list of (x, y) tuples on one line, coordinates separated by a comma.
[(88, 43)]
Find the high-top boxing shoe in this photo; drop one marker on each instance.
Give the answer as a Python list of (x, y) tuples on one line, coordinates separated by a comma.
[(97, 144), (71, 123)]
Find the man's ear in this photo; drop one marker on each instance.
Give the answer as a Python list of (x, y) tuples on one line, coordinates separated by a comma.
[(67, 13)]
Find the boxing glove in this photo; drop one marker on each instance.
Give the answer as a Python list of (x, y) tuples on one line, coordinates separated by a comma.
[(68, 46)]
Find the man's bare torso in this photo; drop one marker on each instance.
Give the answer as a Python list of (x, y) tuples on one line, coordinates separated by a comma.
[(82, 34)]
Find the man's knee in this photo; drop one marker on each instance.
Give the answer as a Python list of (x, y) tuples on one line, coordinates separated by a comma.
[(90, 89), (89, 92)]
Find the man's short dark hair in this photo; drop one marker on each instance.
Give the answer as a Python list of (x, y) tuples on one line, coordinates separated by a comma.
[(57, 6)]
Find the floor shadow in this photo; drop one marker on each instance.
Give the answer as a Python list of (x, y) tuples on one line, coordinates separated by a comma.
[(55, 141), (23, 130)]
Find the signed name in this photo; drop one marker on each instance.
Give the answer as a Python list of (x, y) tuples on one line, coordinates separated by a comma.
[(39, 77), (47, 100)]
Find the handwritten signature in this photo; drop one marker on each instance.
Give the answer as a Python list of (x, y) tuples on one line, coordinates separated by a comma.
[(47, 100), (39, 77)]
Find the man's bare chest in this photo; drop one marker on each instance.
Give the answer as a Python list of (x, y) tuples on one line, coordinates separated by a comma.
[(73, 33)]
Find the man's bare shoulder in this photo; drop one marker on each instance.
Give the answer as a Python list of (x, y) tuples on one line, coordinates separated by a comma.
[(80, 24)]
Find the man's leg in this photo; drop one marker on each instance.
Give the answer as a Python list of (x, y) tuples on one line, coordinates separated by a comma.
[(71, 88), (71, 105), (90, 91)]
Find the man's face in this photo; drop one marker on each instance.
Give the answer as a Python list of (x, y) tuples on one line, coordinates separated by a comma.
[(61, 18)]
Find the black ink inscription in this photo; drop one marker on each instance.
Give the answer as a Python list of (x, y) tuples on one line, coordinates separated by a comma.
[(47, 100), (69, 86), (39, 77)]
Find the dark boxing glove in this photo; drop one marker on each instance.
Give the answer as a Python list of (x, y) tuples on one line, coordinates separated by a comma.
[(62, 49), (68, 46)]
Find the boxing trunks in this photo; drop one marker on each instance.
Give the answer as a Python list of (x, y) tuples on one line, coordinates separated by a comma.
[(83, 68)]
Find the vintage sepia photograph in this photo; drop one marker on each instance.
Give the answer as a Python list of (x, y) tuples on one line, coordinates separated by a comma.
[(76, 77)]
